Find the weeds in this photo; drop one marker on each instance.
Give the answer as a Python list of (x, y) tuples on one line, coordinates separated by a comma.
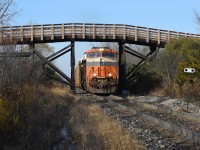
[(33, 120), (92, 129)]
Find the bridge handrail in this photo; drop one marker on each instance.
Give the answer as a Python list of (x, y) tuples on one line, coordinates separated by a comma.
[(88, 31)]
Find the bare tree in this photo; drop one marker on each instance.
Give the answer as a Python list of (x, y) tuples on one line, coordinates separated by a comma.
[(8, 11)]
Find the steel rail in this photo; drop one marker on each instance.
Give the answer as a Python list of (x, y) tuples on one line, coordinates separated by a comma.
[(181, 131)]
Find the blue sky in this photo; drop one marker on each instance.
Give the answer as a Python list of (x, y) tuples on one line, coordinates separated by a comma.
[(176, 15)]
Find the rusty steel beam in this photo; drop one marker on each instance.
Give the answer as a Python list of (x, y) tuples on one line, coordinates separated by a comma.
[(72, 66), (133, 73), (122, 67), (139, 64), (135, 53), (64, 52), (56, 53)]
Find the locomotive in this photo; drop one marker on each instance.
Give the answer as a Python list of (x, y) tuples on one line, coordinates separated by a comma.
[(97, 71)]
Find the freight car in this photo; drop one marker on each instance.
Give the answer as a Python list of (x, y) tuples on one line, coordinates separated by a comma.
[(97, 71)]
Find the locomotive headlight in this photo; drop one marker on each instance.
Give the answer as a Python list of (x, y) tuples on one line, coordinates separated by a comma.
[(94, 74), (110, 74)]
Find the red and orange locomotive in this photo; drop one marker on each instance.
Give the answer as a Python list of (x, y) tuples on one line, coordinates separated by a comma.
[(97, 71)]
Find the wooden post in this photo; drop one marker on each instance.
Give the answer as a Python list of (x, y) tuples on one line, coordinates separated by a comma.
[(148, 35), (31, 33), (124, 34), (72, 66), (52, 32), (94, 31), (104, 31), (168, 36), (63, 32), (1, 36), (177, 35), (122, 68), (22, 34), (73, 31), (83, 31), (42, 33), (11, 34), (136, 34), (114, 32), (158, 36)]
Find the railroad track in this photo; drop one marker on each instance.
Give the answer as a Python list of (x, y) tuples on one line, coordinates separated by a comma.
[(156, 127)]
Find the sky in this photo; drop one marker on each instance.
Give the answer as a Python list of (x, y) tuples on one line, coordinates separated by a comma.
[(175, 15)]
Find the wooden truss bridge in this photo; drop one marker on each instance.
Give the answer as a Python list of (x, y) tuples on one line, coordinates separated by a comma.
[(49, 33)]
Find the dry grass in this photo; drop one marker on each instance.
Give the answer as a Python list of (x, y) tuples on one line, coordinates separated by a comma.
[(93, 129), (31, 120), (59, 90), (157, 92)]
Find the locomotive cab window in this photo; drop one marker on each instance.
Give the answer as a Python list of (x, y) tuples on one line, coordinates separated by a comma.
[(108, 55), (93, 55)]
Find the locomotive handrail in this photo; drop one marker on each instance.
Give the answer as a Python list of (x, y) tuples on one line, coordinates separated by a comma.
[(47, 33)]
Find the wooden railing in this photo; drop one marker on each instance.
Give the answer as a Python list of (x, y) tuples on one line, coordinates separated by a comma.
[(87, 32)]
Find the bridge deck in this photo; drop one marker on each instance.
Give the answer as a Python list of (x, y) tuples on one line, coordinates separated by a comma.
[(87, 32)]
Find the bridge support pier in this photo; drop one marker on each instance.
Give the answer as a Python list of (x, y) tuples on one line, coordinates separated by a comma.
[(122, 68), (72, 65)]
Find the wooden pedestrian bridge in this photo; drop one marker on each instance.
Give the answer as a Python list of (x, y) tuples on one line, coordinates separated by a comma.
[(48, 33), (72, 32)]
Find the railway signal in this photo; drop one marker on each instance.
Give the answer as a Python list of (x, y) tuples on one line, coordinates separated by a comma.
[(189, 70)]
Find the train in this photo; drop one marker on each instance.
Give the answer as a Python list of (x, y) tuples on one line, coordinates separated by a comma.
[(97, 71)]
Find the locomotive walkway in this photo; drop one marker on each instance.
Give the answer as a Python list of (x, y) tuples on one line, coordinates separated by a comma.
[(49, 33)]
